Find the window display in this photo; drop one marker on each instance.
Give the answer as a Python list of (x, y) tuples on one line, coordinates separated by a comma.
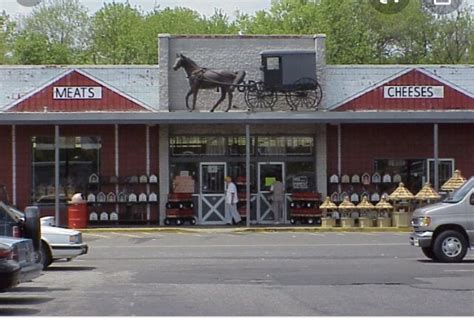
[(79, 158)]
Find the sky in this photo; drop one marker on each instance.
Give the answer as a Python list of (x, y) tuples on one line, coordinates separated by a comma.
[(205, 7)]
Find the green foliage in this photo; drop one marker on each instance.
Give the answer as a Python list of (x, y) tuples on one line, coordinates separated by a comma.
[(56, 31), (117, 35), (61, 31), (6, 29)]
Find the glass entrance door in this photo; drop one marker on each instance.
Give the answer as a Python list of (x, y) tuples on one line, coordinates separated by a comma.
[(212, 192), (268, 172)]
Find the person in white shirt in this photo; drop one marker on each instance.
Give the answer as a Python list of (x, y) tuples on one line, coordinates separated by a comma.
[(231, 201)]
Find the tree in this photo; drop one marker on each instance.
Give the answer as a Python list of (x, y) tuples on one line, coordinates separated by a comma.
[(57, 30), (219, 23), (454, 39), (173, 21), (118, 35), (6, 29)]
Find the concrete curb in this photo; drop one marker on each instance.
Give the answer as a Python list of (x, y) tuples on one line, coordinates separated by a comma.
[(245, 230)]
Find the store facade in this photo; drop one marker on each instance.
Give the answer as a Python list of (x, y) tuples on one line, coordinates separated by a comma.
[(126, 141)]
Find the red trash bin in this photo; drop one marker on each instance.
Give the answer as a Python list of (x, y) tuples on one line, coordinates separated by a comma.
[(77, 212)]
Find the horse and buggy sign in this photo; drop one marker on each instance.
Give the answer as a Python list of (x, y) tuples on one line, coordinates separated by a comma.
[(286, 73)]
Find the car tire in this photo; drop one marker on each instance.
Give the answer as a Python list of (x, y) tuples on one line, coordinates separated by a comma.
[(33, 227), (167, 221), (428, 252), (44, 255), (292, 221), (193, 221), (450, 246), (179, 222), (310, 221)]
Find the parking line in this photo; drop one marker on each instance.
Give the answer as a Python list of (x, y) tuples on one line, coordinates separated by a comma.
[(189, 246), (126, 235), (460, 270), (96, 235)]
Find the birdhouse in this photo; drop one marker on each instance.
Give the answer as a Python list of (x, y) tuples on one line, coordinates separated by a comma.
[(455, 182)]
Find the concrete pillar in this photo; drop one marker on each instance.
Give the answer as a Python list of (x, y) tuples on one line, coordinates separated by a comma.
[(164, 70), (321, 159), (320, 48), (163, 168)]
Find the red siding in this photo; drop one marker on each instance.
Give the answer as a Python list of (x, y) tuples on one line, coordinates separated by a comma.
[(110, 101), (362, 144), (6, 159), (374, 99)]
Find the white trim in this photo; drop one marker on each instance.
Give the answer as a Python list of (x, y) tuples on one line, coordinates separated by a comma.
[(370, 88), (14, 165), (37, 90), (261, 197), (117, 160), (115, 90), (85, 74), (429, 160), (446, 82), (398, 75), (147, 139)]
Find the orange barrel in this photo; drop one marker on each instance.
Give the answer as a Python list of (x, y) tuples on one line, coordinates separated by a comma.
[(77, 215)]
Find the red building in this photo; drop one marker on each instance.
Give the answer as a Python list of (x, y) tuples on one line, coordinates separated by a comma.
[(127, 124)]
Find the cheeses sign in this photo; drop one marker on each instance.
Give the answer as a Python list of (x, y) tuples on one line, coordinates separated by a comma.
[(413, 92), (81, 93)]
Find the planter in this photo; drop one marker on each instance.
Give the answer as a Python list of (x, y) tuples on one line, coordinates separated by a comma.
[(401, 219), (384, 222), (328, 222), (347, 222)]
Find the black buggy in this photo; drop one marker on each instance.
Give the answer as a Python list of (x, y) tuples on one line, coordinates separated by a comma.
[(288, 73)]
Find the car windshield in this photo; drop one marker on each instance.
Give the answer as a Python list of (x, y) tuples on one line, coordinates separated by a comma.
[(460, 193), (14, 214)]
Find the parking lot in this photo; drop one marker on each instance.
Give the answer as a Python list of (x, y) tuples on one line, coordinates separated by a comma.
[(230, 274)]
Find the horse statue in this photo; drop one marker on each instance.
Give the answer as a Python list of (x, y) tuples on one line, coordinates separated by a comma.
[(203, 78)]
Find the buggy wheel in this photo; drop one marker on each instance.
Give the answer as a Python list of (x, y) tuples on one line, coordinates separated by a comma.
[(306, 93), (257, 98), (292, 221), (310, 221), (179, 222), (193, 221), (167, 221)]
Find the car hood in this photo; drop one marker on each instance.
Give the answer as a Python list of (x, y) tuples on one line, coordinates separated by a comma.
[(10, 240), (433, 209), (48, 230)]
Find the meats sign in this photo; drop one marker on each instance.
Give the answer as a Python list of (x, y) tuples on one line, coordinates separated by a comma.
[(73, 93), (413, 92)]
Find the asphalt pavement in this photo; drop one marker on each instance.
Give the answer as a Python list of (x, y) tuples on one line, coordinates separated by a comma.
[(222, 273)]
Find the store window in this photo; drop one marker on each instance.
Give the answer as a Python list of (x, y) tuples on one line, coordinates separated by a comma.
[(285, 146), (300, 177), (412, 172), (184, 177), (236, 146), (445, 170), (196, 146), (79, 157)]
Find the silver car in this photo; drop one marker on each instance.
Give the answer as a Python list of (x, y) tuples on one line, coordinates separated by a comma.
[(445, 231)]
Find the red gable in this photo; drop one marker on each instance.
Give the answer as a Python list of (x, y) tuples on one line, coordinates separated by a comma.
[(76, 92), (415, 90)]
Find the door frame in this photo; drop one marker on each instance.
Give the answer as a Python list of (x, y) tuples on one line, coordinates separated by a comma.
[(202, 216), (262, 196)]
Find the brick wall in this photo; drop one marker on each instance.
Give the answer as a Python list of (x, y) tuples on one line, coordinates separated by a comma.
[(218, 52)]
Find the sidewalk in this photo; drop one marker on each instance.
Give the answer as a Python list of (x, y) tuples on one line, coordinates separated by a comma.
[(242, 229)]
